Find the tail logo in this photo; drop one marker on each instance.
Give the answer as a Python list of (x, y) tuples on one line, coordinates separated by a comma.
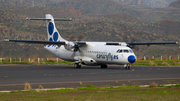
[(51, 30), (55, 36)]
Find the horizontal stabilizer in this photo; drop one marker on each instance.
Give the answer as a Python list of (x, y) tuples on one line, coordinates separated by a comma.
[(55, 19), (36, 42)]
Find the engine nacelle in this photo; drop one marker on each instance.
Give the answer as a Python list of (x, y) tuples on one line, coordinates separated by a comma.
[(69, 46), (123, 44), (88, 61)]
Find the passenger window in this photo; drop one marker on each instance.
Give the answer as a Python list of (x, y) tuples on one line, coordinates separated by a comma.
[(120, 51)]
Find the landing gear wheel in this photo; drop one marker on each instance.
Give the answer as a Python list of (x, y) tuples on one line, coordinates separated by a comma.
[(77, 65), (103, 66), (127, 66)]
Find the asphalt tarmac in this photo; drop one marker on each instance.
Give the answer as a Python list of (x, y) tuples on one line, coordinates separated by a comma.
[(14, 76)]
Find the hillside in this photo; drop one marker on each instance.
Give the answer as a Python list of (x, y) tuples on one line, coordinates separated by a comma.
[(95, 26), (13, 26), (26, 11), (133, 8), (101, 7), (133, 2), (164, 27), (44, 3), (158, 3), (30, 3), (175, 4)]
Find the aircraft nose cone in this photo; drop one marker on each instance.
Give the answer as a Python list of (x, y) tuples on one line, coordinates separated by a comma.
[(131, 58)]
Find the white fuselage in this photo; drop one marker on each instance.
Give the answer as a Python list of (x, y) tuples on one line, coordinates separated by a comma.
[(94, 53)]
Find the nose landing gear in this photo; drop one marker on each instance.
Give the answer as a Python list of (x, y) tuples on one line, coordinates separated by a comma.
[(103, 66), (127, 66), (77, 65)]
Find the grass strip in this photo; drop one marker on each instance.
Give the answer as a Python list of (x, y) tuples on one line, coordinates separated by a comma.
[(92, 93), (168, 63)]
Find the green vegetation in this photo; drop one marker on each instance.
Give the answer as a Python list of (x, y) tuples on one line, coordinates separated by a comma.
[(90, 92), (41, 87), (33, 61), (168, 63)]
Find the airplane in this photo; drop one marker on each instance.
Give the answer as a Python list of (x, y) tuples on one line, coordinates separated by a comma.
[(86, 53)]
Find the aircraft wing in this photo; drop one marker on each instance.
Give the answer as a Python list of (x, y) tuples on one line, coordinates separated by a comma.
[(132, 44), (81, 44), (36, 41), (150, 43)]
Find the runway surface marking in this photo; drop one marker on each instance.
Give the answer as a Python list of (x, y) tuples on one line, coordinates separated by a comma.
[(11, 74), (172, 79)]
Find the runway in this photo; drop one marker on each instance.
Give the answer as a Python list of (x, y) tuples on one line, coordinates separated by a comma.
[(14, 76)]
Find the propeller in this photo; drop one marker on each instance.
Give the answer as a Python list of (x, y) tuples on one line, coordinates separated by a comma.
[(73, 45)]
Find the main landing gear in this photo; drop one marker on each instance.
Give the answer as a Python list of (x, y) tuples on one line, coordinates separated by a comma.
[(103, 66), (127, 66), (77, 65)]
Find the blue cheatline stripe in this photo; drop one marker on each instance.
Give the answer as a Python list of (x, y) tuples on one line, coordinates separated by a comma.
[(50, 28)]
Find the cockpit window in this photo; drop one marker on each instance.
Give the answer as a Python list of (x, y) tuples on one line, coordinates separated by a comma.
[(126, 51), (118, 51), (130, 51)]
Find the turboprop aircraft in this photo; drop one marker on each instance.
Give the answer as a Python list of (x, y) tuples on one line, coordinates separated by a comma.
[(86, 53)]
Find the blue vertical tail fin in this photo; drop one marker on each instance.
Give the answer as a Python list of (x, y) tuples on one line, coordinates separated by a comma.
[(52, 32)]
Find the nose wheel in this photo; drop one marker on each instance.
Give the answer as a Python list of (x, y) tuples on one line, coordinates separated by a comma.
[(77, 65), (127, 66)]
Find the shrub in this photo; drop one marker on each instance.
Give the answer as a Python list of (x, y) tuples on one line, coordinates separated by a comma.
[(151, 63), (80, 83), (123, 84), (27, 86), (88, 85), (41, 87), (153, 85), (166, 64)]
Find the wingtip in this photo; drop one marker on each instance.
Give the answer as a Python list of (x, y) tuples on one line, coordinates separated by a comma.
[(27, 18), (5, 40)]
